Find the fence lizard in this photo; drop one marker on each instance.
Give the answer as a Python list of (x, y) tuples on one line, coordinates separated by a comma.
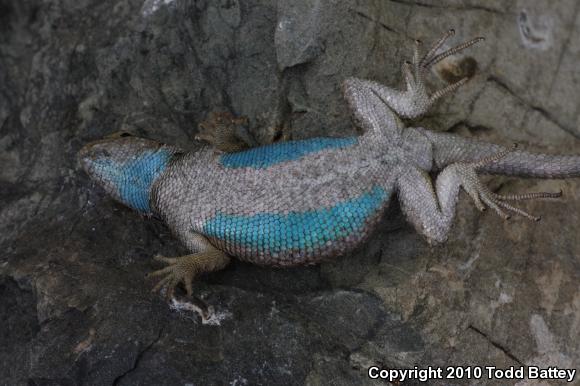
[(299, 202)]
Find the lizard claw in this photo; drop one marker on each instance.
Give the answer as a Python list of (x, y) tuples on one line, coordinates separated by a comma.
[(178, 270), (431, 58), (414, 72), (184, 269)]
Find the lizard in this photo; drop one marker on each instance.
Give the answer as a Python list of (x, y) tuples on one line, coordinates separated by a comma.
[(304, 201)]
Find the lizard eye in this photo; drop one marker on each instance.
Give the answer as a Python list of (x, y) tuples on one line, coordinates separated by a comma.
[(125, 134)]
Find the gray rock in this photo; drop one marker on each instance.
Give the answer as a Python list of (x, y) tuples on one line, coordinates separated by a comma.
[(74, 306), (297, 36)]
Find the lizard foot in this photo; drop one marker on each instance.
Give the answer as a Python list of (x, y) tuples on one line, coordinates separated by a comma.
[(414, 73), (226, 132), (482, 196), (184, 269)]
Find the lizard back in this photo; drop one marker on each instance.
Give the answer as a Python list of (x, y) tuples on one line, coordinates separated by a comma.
[(283, 204)]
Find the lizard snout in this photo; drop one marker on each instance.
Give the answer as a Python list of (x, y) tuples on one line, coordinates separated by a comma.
[(92, 153)]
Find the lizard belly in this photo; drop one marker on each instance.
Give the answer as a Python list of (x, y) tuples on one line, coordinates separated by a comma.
[(297, 237)]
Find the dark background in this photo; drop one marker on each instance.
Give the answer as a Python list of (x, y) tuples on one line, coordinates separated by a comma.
[(75, 308)]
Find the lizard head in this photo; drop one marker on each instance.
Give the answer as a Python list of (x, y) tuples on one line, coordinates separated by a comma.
[(126, 167)]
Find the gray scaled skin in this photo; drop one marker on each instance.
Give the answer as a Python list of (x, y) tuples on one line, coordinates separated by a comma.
[(299, 202)]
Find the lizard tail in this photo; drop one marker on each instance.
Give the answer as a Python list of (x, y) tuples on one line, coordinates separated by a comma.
[(449, 149)]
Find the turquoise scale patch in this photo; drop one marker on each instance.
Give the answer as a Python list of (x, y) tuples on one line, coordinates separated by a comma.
[(133, 178), (264, 156), (303, 231)]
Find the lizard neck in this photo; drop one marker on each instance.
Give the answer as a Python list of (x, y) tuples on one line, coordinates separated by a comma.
[(136, 178)]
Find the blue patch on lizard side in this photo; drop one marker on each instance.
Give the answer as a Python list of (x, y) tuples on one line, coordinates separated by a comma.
[(133, 178), (304, 231), (264, 156)]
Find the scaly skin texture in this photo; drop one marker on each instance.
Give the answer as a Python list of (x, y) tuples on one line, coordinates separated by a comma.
[(299, 202)]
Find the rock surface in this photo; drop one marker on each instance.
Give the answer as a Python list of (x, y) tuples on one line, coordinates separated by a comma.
[(74, 307)]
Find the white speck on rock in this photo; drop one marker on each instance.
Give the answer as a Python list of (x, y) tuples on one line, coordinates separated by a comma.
[(152, 6), (504, 298), (239, 381), (468, 265), (210, 317)]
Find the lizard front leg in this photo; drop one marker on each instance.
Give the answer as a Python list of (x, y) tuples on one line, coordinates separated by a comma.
[(225, 132), (431, 211), (184, 269)]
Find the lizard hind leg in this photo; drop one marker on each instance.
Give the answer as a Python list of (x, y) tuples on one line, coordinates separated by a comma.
[(431, 58), (430, 207), (498, 201), (184, 269), (377, 108)]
